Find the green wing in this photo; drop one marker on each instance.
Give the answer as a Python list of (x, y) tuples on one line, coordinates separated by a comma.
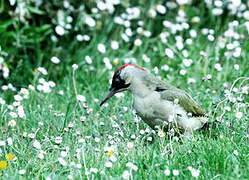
[(185, 101), (170, 93)]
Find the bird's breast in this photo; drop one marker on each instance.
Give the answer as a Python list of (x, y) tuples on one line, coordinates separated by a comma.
[(152, 106)]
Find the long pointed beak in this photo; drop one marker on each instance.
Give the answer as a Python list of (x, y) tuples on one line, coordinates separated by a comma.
[(108, 96)]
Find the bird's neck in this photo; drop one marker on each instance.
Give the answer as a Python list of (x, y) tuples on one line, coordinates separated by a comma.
[(139, 88)]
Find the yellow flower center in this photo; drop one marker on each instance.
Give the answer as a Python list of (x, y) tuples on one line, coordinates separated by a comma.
[(3, 165), (9, 156), (109, 153)]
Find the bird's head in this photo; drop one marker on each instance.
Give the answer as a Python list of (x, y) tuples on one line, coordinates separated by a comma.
[(121, 80)]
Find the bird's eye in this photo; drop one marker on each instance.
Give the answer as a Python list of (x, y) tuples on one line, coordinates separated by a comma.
[(117, 80)]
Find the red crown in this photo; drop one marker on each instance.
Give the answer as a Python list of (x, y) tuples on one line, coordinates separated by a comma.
[(123, 66)]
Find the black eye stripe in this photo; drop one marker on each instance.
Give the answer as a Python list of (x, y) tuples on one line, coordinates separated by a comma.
[(118, 82)]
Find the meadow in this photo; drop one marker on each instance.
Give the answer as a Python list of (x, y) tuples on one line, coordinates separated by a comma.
[(56, 62)]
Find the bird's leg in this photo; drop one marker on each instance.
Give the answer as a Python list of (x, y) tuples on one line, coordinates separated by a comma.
[(187, 135)]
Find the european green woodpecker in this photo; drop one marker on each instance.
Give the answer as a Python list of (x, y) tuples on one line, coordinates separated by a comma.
[(158, 103)]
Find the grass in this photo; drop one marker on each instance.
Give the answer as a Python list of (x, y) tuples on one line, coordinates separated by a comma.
[(63, 138), (214, 156)]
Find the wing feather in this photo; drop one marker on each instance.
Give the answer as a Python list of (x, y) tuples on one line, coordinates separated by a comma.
[(170, 93), (184, 100)]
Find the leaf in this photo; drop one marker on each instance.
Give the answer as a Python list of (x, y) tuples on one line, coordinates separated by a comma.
[(35, 10)]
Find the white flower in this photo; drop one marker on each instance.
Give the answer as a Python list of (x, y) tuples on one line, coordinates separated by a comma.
[(217, 11), (236, 67), (42, 70), (179, 45), (130, 144), (62, 161), (86, 37), (235, 152), (161, 133), (175, 172), (114, 45), (24, 91), (246, 15), (58, 140), (96, 139), (75, 66), (191, 80), (55, 60), (18, 97), (2, 143), (149, 138), (142, 131), (79, 166), (138, 42), (128, 32), (20, 112), (125, 37), (51, 84), (41, 155), (63, 153), (167, 172), (146, 58), (81, 98), (237, 52), (156, 70), (16, 103), (108, 164), (193, 33), (133, 136), (12, 123), (194, 172), (22, 171), (31, 135), (12, 114), (2, 101), (239, 115), (113, 158), (152, 13), (132, 166), (169, 53), (161, 9), (210, 37), (5, 88), (230, 46), (165, 67), (101, 5), (37, 144), (59, 30), (244, 90), (94, 170), (182, 2), (88, 60), (187, 62), (183, 72), (133, 12), (90, 21), (218, 67), (79, 37), (101, 48), (195, 19), (125, 174), (10, 141)]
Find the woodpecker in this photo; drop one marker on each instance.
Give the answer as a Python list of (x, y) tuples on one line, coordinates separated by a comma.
[(158, 103)]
